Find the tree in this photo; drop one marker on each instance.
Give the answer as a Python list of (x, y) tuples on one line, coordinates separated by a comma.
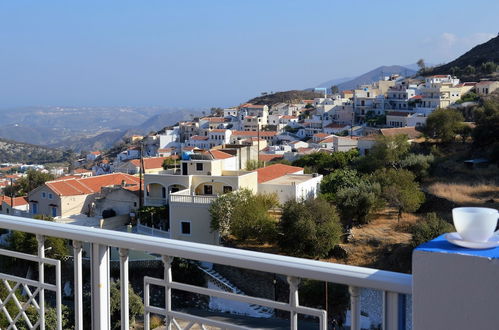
[(418, 164), (487, 124), (252, 164), (421, 65), (358, 202), (310, 228), (470, 69), (244, 215), (135, 305), (455, 70), (400, 190), (388, 151), (169, 163), (324, 163), (25, 242), (32, 180), (337, 180), (335, 89), (443, 124), (429, 228), (488, 67)]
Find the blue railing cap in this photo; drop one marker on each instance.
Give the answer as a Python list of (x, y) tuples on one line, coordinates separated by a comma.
[(441, 245)]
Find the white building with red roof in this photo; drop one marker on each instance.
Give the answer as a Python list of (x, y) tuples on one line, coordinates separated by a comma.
[(67, 197)]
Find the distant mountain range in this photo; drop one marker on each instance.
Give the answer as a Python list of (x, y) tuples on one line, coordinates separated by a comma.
[(84, 128), (18, 152), (369, 77)]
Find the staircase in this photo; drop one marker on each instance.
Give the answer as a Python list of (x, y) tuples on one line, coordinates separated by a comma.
[(225, 285)]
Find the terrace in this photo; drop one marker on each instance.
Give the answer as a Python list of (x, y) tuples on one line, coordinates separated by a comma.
[(437, 302)]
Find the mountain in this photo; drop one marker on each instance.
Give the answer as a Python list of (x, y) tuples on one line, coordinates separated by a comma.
[(18, 152), (486, 52), (333, 82), (84, 128), (375, 75)]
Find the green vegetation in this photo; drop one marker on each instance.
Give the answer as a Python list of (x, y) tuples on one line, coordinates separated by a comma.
[(358, 203), (135, 305), (443, 124), (24, 242), (431, 227), (485, 134), (325, 163), (24, 185), (400, 190), (310, 228), (252, 165), (169, 163), (244, 216)]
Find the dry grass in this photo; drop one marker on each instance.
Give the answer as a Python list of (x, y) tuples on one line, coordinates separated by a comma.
[(480, 194), (371, 240)]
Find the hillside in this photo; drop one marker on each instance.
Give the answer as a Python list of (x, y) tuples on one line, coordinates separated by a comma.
[(18, 152), (371, 76), (486, 52), (285, 97)]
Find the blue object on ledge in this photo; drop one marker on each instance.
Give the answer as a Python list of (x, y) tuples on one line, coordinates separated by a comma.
[(441, 245)]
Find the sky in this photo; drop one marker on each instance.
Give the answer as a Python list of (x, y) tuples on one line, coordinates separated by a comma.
[(202, 54)]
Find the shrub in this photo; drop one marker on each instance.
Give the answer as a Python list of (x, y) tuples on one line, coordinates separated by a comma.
[(357, 203), (429, 228), (309, 229)]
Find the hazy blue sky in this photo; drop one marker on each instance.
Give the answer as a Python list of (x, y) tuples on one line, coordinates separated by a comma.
[(217, 53)]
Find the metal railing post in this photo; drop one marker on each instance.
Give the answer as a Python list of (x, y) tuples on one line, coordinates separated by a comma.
[(354, 307), (390, 310), (41, 279), (293, 300), (168, 290), (124, 289), (78, 285), (100, 287)]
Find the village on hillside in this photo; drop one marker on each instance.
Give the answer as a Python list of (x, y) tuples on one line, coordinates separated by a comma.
[(250, 146)]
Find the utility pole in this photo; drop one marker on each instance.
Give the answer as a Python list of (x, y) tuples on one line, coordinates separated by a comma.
[(11, 195), (141, 197), (258, 141)]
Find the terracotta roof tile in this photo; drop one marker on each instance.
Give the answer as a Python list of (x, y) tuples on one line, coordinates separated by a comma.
[(276, 171), (151, 162), (85, 186)]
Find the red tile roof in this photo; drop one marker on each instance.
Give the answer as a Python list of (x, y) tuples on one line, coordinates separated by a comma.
[(486, 82), (218, 130), (321, 135), (86, 186), (288, 117), (198, 138), (249, 105), (214, 119), (276, 171), (269, 158), (335, 125), (253, 133), (217, 154), (17, 201), (81, 171)]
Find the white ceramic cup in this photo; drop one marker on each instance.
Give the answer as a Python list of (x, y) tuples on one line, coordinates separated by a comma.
[(475, 224)]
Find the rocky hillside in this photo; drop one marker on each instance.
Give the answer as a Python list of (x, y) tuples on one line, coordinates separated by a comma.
[(285, 97), (478, 55), (13, 152)]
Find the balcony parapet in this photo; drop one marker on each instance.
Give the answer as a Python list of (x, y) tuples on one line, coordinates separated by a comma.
[(392, 284)]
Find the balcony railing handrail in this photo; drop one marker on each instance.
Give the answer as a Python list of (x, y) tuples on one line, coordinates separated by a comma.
[(271, 263)]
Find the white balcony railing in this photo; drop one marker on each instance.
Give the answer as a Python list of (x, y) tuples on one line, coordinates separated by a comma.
[(197, 199), (151, 201), (392, 284)]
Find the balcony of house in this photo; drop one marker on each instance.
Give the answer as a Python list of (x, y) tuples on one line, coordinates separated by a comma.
[(432, 298)]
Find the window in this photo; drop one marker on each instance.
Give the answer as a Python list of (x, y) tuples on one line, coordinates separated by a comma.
[(208, 190), (185, 228), (51, 196), (44, 194), (199, 166), (227, 189), (163, 192)]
